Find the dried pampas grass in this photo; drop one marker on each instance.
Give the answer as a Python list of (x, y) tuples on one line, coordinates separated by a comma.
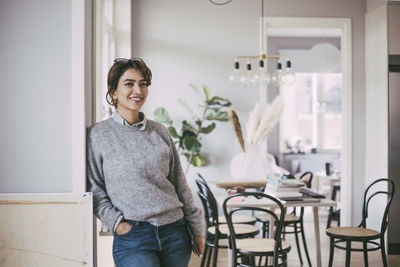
[(262, 122), (237, 128), (253, 123)]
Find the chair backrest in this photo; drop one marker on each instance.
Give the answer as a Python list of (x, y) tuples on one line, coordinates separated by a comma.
[(372, 192), (335, 190), (260, 197), (208, 201), (307, 178), (202, 180)]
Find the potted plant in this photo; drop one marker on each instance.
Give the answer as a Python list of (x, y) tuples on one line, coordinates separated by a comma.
[(188, 138)]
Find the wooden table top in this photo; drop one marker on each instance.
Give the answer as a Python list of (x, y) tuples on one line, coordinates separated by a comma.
[(246, 184)]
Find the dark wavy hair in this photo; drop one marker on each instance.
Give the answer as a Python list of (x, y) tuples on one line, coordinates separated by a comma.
[(120, 66)]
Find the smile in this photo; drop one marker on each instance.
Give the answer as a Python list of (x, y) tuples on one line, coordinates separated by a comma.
[(136, 98)]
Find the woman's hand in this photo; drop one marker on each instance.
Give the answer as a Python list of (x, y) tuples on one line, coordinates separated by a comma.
[(123, 228), (200, 244)]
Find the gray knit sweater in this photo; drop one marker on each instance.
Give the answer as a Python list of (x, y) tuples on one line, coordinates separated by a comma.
[(137, 173)]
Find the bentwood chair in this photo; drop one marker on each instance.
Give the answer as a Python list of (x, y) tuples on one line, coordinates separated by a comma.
[(334, 214), (245, 251), (245, 219), (362, 234), (216, 231), (293, 222)]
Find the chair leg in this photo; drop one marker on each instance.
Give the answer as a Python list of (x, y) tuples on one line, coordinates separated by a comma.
[(215, 252), (264, 229), (328, 225), (284, 259), (365, 254), (234, 259), (297, 243), (260, 260), (210, 253), (348, 253), (252, 260), (331, 248), (203, 259), (276, 258), (305, 243), (284, 233), (266, 261), (383, 252)]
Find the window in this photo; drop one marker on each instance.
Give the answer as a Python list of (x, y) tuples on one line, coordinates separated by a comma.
[(313, 113), (113, 31)]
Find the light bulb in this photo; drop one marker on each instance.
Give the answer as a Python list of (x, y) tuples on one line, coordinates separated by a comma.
[(277, 76), (288, 75), (234, 78), (261, 76), (246, 77)]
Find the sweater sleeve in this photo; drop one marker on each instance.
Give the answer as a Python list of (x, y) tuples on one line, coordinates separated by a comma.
[(192, 213), (102, 205)]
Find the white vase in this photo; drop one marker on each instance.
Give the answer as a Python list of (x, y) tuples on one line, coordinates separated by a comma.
[(247, 166)]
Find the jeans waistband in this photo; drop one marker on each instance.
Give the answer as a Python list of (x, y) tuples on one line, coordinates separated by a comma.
[(144, 223)]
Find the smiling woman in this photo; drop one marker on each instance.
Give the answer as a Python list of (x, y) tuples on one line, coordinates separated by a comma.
[(130, 156), (128, 82)]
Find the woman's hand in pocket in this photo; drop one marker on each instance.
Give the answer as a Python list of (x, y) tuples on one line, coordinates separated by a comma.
[(123, 228)]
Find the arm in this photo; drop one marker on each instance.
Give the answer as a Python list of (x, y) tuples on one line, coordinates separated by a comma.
[(192, 213), (103, 207)]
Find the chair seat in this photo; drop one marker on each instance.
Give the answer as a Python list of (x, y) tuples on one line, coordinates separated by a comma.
[(288, 217), (238, 219), (349, 232), (259, 245), (240, 229)]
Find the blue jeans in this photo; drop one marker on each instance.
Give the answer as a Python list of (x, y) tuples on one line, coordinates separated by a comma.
[(146, 245)]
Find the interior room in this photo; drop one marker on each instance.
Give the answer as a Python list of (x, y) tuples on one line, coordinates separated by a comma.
[(322, 75)]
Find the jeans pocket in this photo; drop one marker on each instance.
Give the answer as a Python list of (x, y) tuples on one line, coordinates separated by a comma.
[(127, 233)]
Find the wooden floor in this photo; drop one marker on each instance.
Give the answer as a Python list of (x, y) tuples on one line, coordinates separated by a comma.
[(357, 259)]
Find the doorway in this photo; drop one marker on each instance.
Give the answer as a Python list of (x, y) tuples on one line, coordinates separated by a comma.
[(337, 30)]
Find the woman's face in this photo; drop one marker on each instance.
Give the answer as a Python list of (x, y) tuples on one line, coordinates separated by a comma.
[(131, 92)]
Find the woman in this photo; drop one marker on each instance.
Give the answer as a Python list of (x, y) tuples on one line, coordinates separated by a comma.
[(139, 188)]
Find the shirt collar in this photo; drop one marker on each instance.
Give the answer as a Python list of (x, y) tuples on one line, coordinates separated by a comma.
[(141, 125)]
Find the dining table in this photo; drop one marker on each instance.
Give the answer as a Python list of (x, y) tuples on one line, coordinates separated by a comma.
[(315, 204)]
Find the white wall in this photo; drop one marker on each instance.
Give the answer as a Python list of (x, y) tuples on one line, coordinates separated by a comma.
[(35, 137), (376, 111), (194, 41)]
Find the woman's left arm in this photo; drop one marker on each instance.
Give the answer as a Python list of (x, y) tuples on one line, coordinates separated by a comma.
[(192, 213)]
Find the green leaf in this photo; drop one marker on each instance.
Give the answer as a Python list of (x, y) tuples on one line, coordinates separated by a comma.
[(172, 132), (208, 129), (188, 127), (185, 105), (217, 100), (194, 87), (185, 134), (218, 116), (161, 115), (191, 143), (206, 92), (198, 161)]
